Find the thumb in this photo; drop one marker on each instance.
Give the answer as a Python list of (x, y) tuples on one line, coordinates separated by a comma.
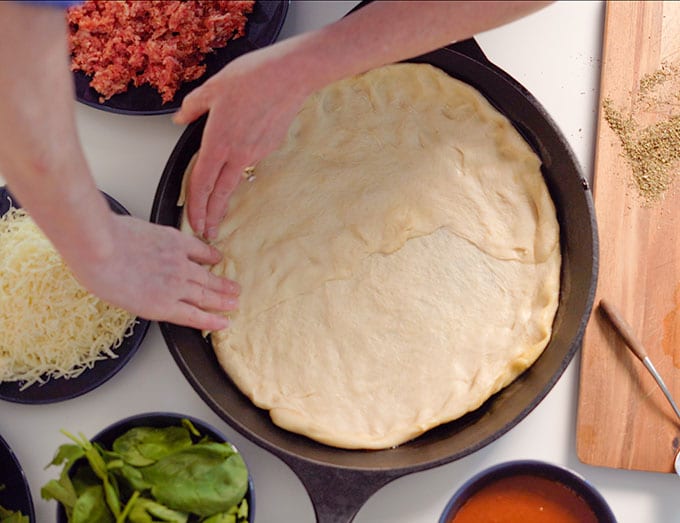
[(193, 106)]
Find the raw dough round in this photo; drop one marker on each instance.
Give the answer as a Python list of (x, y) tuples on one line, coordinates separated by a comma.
[(399, 261)]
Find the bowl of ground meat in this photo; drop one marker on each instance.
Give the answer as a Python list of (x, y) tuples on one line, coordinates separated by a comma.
[(142, 58)]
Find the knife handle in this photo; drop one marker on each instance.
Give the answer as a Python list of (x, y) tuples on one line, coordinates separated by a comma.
[(624, 329)]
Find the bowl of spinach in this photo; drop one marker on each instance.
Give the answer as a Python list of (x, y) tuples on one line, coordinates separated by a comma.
[(157, 466)]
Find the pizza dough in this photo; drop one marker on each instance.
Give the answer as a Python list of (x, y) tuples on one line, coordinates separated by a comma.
[(399, 261)]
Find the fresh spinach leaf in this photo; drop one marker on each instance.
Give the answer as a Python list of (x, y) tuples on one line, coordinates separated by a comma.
[(142, 446), (91, 506), (242, 511), (67, 455), (233, 515), (131, 477), (83, 478), (11, 516), (61, 492), (191, 428), (205, 479), (145, 510), (185, 476), (96, 461), (224, 517)]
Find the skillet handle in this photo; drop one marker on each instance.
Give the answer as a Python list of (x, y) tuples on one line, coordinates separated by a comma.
[(337, 494)]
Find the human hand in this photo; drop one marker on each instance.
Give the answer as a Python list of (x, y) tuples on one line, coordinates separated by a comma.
[(155, 272), (250, 103)]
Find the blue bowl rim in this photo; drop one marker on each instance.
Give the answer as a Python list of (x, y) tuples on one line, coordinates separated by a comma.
[(164, 418), (574, 481), (20, 475)]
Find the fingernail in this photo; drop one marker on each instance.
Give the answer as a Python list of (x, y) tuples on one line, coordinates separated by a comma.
[(231, 302), (211, 233)]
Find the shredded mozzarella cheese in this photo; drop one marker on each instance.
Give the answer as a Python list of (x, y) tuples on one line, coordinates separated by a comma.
[(50, 326)]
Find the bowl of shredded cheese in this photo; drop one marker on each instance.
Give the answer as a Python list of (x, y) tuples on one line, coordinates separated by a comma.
[(59, 341)]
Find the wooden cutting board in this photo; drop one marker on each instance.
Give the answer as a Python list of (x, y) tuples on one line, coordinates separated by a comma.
[(623, 419)]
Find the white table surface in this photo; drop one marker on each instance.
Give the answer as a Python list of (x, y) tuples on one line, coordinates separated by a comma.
[(556, 55)]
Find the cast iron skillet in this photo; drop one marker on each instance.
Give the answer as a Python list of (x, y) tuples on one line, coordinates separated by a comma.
[(340, 481)]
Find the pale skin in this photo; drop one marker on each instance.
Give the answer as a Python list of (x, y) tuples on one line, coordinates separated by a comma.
[(252, 101), (157, 272), (152, 271)]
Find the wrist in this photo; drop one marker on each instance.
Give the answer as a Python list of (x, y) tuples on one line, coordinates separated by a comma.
[(74, 216)]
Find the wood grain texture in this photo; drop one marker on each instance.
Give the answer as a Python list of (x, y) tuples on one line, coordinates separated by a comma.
[(623, 419)]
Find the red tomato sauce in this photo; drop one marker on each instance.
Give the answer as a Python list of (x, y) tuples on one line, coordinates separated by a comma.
[(525, 499)]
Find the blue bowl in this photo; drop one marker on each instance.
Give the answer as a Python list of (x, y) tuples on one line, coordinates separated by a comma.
[(107, 436), (16, 494), (569, 479), (262, 28), (55, 390)]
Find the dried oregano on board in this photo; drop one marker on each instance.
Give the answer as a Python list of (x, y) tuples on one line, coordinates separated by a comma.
[(652, 151)]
